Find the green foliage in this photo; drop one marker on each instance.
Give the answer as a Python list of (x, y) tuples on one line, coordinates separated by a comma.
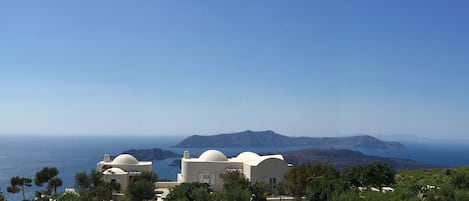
[(379, 174), (237, 187), (82, 180), (355, 175), (316, 179), (69, 197), (92, 186), (48, 175), (17, 184), (349, 196), (460, 178), (189, 192), (2, 198), (258, 191), (235, 178), (142, 187), (237, 193), (376, 174)]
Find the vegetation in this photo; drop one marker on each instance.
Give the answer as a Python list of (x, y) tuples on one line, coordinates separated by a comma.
[(48, 175), (2, 198), (190, 192), (313, 182), (235, 188), (142, 187), (17, 184), (320, 182), (93, 187)]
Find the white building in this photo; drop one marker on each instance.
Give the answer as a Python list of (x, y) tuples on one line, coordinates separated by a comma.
[(212, 163), (122, 169)]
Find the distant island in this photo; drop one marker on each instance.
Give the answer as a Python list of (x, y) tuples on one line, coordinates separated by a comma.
[(271, 139), (151, 154)]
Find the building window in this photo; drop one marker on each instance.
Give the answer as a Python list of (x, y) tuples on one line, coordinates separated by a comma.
[(272, 183), (204, 177)]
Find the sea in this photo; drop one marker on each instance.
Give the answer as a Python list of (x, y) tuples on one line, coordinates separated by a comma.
[(25, 155)]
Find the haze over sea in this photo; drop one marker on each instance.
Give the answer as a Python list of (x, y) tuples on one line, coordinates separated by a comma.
[(25, 155)]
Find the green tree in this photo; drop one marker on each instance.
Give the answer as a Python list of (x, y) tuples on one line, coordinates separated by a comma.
[(460, 179), (295, 182), (82, 181), (2, 198), (190, 192), (309, 177), (93, 187), (69, 197), (238, 188), (321, 180), (17, 184), (355, 175), (379, 174), (48, 175), (142, 187), (258, 191)]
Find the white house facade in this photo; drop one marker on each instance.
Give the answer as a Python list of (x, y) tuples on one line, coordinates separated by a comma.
[(122, 169), (208, 167)]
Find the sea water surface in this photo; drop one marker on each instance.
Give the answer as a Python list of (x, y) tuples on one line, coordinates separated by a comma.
[(25, 155)]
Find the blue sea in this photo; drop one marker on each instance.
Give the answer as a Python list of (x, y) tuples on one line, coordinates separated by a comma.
[(25, 155)]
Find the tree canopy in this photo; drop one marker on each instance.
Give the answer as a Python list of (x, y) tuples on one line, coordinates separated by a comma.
[(48, 175), (17, 184), (142, 187)]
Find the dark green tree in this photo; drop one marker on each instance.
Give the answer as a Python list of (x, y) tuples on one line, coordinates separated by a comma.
[(48, 175), (309, 177), (2, 198), (17, 184), (82, 181), (460, 179), (355, 175), (320, 181), (142, 187), (92, 186), (379, 174), (189, 192), (238, 188), (258, 191)]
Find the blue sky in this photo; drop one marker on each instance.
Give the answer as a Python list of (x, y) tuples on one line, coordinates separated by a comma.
[(311, 68)]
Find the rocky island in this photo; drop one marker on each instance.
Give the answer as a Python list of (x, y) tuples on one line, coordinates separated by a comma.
[(271, 139)]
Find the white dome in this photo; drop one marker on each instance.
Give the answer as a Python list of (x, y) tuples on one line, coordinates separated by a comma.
[(115, 171), (248, 156), (125, 159), (213, 155)]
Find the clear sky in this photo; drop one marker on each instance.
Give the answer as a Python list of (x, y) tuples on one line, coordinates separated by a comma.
[(311, 68)]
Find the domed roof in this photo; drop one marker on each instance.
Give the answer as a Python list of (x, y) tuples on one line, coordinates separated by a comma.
[(125, 159), (116, 171), (213, 155), (248, 156)]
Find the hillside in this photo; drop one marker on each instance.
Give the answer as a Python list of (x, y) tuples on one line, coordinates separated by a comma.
[(341, 159), (271, 139)]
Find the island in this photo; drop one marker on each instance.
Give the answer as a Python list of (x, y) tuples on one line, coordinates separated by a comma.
[(271, 139)]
